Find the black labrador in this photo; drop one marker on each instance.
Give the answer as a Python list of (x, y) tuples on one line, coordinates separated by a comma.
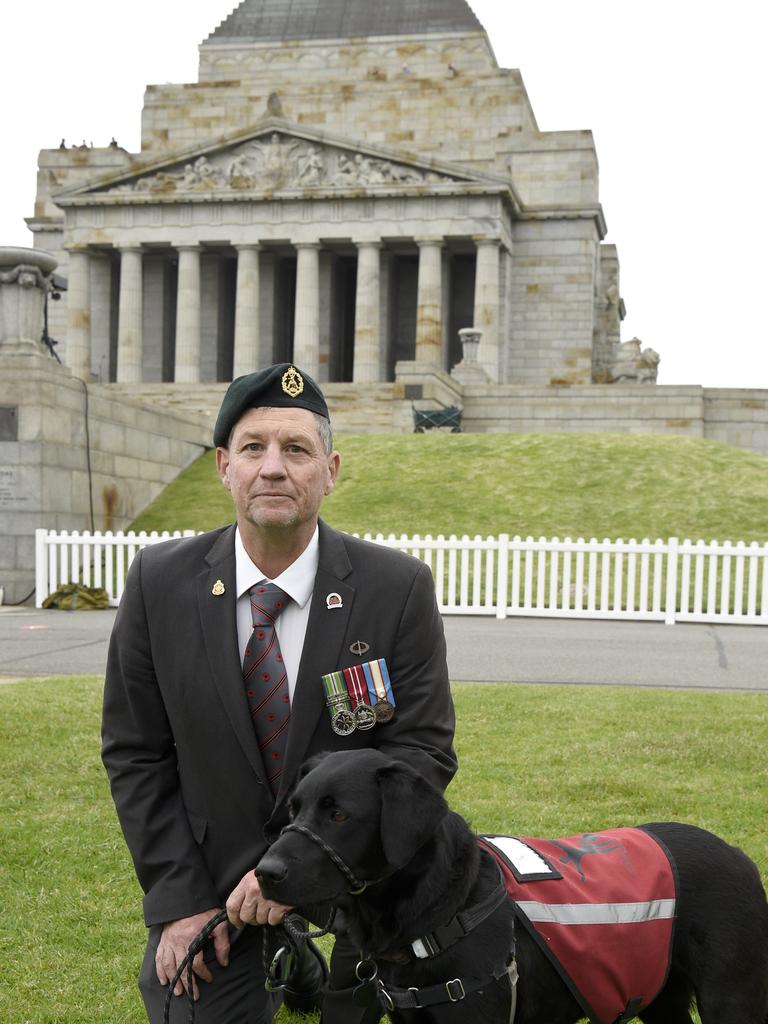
[(371, 838)]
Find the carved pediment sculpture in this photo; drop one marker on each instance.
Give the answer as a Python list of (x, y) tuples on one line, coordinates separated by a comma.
[(280, 162)]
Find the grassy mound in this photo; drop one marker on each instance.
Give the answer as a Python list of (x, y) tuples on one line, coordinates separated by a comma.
[(552, 485)]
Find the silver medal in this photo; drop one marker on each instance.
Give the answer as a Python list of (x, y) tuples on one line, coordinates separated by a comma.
[(343, 722)]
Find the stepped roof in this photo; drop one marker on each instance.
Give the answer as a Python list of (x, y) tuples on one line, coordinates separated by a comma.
[(259, 21)]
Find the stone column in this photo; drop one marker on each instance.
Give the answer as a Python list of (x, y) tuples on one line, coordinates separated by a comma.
[(367, 356), (130, 316), (187, 358), (306, 331), (429, 302), (77, 354), (246, 357), (486, 318)]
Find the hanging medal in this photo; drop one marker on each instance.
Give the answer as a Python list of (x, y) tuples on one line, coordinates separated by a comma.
[(379, 689), (357, 688), (339, 706)]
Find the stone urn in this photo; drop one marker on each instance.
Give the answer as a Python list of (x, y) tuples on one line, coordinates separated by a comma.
[(469, 370), (25, 276), (470, 344)]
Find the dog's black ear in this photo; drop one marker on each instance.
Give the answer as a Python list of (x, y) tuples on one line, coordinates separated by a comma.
[(411, 810), (311, 763)]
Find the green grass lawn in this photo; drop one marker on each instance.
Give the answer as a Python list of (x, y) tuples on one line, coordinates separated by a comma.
[(537, 760), (552, 485)]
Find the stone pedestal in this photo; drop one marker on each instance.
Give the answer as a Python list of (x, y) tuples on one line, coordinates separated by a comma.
[(25, 276), (24, 282), (469, 370)]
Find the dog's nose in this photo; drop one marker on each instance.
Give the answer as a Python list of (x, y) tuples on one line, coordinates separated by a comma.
[(270, 870)]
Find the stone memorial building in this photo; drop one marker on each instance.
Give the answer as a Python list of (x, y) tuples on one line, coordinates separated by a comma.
[(347, 186)]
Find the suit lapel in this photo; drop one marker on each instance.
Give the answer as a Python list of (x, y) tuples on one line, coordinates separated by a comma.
[(326, 629), (218, 620)]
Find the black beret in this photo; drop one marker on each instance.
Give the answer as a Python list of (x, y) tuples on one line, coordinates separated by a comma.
[(278, 385)]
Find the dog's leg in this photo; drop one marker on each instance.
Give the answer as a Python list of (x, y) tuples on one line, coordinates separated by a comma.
[(672, 1005), (734, 1006)]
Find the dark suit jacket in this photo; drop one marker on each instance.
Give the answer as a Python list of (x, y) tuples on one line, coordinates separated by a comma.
[(178, 742)]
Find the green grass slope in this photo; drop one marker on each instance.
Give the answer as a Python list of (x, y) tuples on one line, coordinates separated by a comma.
[(552, 485)]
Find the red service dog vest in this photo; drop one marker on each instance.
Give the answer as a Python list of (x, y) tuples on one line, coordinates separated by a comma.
[(602, 907)]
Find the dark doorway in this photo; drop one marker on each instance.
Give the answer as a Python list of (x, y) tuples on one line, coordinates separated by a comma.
[(404, 275), (226, 313), (343, 295), (461, 302), (170, 286), (285, 308), (114, 315)]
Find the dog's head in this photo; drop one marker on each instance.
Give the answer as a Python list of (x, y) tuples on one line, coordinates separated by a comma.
[(373, 812)]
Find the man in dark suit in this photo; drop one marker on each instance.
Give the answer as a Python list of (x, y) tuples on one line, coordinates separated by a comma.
[(200, 787)]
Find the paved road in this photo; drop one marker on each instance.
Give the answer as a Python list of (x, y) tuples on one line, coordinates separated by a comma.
[(521, 650)]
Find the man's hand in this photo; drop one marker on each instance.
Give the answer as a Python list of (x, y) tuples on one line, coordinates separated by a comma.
[(247, 905), (174, 942)]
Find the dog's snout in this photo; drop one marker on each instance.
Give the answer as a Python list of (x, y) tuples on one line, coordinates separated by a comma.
[(271, 870)]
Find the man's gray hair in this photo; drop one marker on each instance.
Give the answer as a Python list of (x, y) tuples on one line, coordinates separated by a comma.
[(325, 431)]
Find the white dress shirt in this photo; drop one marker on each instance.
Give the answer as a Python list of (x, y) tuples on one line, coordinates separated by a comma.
[(298, 581)]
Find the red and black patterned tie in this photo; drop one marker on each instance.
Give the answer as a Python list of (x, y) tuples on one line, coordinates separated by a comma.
[(266, 684)]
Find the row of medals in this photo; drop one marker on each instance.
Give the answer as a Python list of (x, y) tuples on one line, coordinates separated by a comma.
[(345, 720)]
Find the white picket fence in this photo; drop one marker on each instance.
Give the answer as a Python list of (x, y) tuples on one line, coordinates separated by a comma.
[(667, 581)]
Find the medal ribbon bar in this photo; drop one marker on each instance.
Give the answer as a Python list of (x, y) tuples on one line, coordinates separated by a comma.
[(338, 703), (379, 683), (358, 694)]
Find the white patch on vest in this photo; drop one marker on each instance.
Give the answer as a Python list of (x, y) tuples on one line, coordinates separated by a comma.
[(597, 913), (524, 860)]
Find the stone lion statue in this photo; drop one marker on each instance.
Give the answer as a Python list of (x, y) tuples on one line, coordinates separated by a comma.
[(634, 364)]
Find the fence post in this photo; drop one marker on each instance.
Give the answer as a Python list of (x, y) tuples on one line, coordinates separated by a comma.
[(502, 572), (670, 607), (41, 567)]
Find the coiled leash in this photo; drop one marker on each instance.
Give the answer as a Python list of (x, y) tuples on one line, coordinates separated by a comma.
[(278, 971)]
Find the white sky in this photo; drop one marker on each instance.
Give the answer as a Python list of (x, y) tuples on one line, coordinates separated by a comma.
[(673, 90)]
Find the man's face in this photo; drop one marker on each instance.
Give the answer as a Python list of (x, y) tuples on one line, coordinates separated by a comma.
[(276, 468)]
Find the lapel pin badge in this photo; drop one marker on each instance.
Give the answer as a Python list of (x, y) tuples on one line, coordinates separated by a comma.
[(218, 588), (360, 647), (334, 601)]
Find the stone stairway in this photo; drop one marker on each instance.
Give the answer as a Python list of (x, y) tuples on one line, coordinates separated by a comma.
[(378, 408)]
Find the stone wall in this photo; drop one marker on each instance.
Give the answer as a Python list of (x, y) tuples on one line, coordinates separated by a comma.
[(737, 417), (134, 449)]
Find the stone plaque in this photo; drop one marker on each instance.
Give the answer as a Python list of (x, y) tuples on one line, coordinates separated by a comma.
[(11, 486), (9, 423)]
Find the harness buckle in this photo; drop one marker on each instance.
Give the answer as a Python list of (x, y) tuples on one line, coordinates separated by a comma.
[(385, 997), (363, 968), (459, 990), (416, 999)]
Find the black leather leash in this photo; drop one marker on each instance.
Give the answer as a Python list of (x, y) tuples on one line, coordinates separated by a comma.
[(186, 964), (277, 971)]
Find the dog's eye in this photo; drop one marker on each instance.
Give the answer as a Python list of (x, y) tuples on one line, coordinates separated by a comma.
[(339, 816)]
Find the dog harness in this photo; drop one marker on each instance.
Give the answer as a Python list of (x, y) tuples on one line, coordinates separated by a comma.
[(601, 906)]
